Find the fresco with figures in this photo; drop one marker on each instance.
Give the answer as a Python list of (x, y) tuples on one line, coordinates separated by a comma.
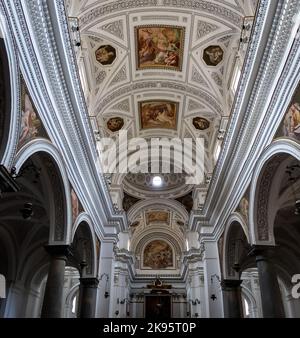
[(106, 55), (160, 47), (201, 123), (158, 114), (213, 55), (31, 125), (157, 217), (158, 255), (114, 124), (291, 124), (76, 205)]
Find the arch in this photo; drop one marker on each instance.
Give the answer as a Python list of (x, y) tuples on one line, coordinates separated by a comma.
[(247, 294), (170, 204), (7, 151), (40, 275), (70, 296), (74, 289), (260, 226), (235, 230), (206, 97), (237, 217), (84, 219), (287, 252), (34, 260), (43, 146), (140, 243)]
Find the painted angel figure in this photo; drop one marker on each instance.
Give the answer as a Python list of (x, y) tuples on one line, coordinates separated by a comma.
[(29, 122)]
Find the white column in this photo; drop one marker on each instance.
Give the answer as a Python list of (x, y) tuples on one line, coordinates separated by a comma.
[(105, 279), (124, 240), (117, 195), (214, 307), (192, 238), (195, 298), (197, 306), (203, 298), (120, 291), (183, 307), (177, 306), (137, 306)]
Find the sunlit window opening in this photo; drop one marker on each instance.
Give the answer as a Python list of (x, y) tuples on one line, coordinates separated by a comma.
[(74, 304)]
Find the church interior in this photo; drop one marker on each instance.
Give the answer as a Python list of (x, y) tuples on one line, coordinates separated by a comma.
[(90, 225)]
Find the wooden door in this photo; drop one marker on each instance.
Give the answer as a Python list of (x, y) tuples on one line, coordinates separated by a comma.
[(158, 306)]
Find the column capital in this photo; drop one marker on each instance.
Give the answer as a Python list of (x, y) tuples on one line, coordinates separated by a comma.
[(60, 251), (90, 282), (265, 251), (229, 284)]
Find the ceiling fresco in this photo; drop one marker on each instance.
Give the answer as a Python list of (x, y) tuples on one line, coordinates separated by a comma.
[(158, 114), (159, 47), (161, 68)]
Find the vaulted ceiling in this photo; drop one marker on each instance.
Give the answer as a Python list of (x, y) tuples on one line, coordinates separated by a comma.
[(207, 50), (160, 68)]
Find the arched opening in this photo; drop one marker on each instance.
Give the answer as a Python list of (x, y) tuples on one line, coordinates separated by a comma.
[(287, 232), (71, 294), (79, 274), (80, 287), (83, 249), (236, 249), (251, 297), (5, 96), (246, 308), (239, 269), (27, 220), (274, 218)]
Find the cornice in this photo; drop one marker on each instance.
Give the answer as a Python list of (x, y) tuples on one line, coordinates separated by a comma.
[(159, 203), (247, 83), (245, 140), (224, 10), (46, 58), (192, 256), (285, 89), (126, 257), (198, 94), (72, 69), (11, 48)]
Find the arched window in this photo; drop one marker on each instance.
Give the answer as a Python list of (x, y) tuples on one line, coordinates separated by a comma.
[(74, 303), (246, 307)]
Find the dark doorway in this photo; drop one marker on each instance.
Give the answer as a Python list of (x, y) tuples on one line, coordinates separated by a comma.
[(158, 307)]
